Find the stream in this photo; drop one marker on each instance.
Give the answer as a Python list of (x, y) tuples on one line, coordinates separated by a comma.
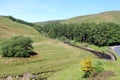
[(116, 49)]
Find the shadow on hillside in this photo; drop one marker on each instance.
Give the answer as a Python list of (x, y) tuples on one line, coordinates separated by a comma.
[(101, 55), (33, 53)]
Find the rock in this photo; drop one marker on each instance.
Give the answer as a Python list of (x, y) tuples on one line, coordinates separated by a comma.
[(26, 76), (9, 78)]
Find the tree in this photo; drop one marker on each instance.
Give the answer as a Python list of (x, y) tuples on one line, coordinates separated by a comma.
[(18, 46), (102, 34)]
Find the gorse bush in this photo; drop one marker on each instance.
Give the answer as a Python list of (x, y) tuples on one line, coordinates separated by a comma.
[(87, 67), (91, 68), (19, 46)]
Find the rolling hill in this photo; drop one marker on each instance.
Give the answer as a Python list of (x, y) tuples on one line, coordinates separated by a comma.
[(48, 22), (110, 16), (53, 56), (55, 60), (9, 28)]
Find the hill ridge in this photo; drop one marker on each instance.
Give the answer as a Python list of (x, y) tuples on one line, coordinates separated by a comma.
[(108, 16)]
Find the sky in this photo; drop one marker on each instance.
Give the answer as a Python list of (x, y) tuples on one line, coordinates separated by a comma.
[(44, 10)]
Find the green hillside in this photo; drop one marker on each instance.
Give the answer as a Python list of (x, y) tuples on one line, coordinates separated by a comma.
[(9, 28), (111, 16), (55, 60), (53, 55)]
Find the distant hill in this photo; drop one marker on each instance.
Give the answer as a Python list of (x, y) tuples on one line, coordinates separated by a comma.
[(110, 16), (47, 22)]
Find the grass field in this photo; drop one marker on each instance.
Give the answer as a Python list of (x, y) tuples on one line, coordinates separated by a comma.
[(52, 55), (59, 61)]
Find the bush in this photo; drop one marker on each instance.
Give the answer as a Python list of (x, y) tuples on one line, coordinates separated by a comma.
[(91, 68), (87, 67), (98, 67), (19, 46), (63, 38)]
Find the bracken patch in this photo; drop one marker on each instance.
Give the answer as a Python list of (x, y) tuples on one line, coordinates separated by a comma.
[(105, 75)]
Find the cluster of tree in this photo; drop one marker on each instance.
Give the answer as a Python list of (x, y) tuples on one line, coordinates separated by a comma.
[(18, 46), (102, 34)]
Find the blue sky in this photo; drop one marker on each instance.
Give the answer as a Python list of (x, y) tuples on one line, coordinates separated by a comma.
[(43, 10)]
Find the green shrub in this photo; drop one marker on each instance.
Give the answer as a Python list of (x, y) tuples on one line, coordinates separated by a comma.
[(87, 67), (63, 38), (90, 68), (19, 46), (98, 67)]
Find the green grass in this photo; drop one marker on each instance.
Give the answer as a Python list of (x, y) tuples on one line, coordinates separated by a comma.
[(108, 65), (112, 66), (74, 72), (10, 28), (71, 73), (104, 49), (53, 55), (111, 16), (50, 57)]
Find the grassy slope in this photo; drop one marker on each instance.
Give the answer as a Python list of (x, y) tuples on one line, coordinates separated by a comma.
[(74, 72), (112, 16), (9, 29), (52, 55)]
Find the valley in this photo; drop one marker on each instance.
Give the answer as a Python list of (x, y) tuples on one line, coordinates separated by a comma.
[(55, 60)]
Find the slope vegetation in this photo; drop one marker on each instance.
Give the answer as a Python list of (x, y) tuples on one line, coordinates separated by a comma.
[(48, 22), (10, 28), (55, 60), (53, 55), (111, 16)]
